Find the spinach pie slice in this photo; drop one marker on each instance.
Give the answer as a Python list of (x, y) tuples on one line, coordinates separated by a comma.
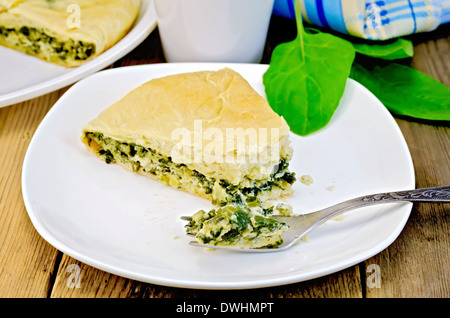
[(65, 32), (209, 133)]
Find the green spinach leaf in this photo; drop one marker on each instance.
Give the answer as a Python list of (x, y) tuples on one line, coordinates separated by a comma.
[(392, 49), (387, 50), (404, 90), (306, 78)]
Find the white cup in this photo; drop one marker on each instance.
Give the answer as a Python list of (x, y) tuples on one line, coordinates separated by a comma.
[(213, 30)]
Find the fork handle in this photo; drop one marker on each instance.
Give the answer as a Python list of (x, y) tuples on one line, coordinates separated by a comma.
[(433, 194)]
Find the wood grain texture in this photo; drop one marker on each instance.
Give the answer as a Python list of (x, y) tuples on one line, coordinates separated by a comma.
[(414, 265), (95, 283), (27, 261)]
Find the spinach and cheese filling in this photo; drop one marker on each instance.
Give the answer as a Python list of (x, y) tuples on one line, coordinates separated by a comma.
[(221, 192), (41, 43), (237, 226)]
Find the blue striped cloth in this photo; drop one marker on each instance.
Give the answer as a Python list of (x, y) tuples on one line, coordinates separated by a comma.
[(371, 19)]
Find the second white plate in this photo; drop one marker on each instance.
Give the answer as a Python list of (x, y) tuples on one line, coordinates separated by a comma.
[(23, 77), (129, 225)]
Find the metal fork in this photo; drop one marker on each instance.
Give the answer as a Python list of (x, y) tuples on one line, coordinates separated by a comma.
[(300, 225)]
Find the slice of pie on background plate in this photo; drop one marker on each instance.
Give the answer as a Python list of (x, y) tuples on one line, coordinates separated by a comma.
[(65, 32)]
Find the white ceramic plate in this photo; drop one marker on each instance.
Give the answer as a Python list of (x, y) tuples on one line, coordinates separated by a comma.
[(129, 225), (23, 77)]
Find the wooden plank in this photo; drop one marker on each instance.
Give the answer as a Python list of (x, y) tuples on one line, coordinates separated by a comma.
[(432, 53), (76, 279), (416, 264), (27, 261)]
